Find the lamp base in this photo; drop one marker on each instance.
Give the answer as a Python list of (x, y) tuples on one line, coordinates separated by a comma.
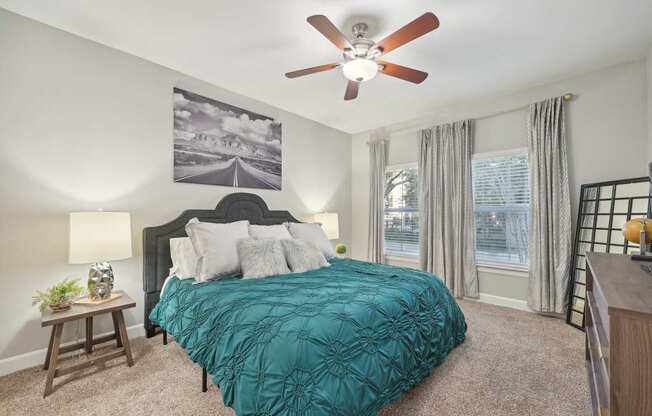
[(100, 281), (642, 257)]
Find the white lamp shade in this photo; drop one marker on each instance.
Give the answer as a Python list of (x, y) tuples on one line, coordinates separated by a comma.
[(99, 236), (330, 223)]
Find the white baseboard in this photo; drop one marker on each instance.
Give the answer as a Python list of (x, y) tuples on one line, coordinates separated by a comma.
[(34, 358), (502, 301)]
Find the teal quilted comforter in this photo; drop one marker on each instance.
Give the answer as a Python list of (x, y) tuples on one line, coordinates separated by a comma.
[(342, 340)]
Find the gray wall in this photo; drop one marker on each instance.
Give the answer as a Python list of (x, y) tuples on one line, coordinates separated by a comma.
[(83, 127), (607, 136)]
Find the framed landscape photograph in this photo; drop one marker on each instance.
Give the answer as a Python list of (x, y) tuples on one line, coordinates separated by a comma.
[(220, 144)]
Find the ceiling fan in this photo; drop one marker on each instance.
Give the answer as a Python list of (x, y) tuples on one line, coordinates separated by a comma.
[(361, 61)]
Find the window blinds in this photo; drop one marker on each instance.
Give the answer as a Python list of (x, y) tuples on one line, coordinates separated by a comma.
[(501, 195), (401, 212)]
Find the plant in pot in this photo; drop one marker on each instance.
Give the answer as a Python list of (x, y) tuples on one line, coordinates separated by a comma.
[(340, 249), (59, 297)]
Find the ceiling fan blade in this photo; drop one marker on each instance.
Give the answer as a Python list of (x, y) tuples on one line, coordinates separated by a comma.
[(351, 90), (416, 28), (312, 70), (328, 29), (402, 72)]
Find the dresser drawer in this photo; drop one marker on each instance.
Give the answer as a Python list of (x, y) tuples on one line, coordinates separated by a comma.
[(600, 307), (597, 355), (599, 407), (596, 329)]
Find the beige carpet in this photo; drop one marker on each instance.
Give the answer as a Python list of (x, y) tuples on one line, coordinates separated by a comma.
[(512, 363)]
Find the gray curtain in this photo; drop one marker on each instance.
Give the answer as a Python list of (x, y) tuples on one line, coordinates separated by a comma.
[(446, 219), (378, 154), (550, 209)]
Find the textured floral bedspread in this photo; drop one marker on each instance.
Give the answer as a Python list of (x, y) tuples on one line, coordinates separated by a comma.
[(343, 340)]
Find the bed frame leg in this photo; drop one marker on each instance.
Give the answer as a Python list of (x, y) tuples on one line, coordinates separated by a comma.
[(165, 338), (204, 380)]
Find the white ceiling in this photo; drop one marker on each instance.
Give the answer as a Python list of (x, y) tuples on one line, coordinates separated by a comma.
[(482, 47)]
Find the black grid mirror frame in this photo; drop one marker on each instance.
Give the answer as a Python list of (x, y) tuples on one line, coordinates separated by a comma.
[(603, 209)]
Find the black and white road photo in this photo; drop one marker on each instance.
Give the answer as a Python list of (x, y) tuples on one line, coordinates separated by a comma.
[(220, 144)]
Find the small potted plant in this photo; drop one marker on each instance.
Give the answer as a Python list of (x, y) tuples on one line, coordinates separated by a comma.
[(59, 297), (340, 249)]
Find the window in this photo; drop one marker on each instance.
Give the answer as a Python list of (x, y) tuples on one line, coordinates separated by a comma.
[(401, 211), (501, 197)]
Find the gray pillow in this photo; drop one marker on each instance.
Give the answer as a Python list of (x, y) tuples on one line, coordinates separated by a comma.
[(313, 233), (303, 256), (261, 258)]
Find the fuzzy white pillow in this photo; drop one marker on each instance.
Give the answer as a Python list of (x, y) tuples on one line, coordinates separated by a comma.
[(184, 258), (277, 231), (313, 233), (216, 247), (261, 258), (303, 256)]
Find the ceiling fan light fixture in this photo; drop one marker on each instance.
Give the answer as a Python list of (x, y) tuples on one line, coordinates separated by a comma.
[(360, 69), (361, 55)]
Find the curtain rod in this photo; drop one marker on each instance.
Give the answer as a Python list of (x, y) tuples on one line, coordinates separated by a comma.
[(566, 97)]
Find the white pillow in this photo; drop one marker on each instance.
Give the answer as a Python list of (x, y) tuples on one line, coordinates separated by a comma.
[(184, 258), (313, 233), (216, 247), (277, 232)]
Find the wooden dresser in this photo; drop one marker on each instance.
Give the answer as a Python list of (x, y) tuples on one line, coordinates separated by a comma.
[(618, 335)]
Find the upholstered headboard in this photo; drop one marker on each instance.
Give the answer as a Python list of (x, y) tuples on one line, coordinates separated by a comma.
[(156, 240)]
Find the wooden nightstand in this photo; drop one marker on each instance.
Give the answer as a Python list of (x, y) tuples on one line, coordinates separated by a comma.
[(56, 320)]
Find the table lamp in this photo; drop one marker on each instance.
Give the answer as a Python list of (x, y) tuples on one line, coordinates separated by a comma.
[(97, 238)]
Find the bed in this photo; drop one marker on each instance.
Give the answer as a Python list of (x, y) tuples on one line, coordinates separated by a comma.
[(341, 340)]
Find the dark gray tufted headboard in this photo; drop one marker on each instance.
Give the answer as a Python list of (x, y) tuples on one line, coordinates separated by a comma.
[(156, 240)]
